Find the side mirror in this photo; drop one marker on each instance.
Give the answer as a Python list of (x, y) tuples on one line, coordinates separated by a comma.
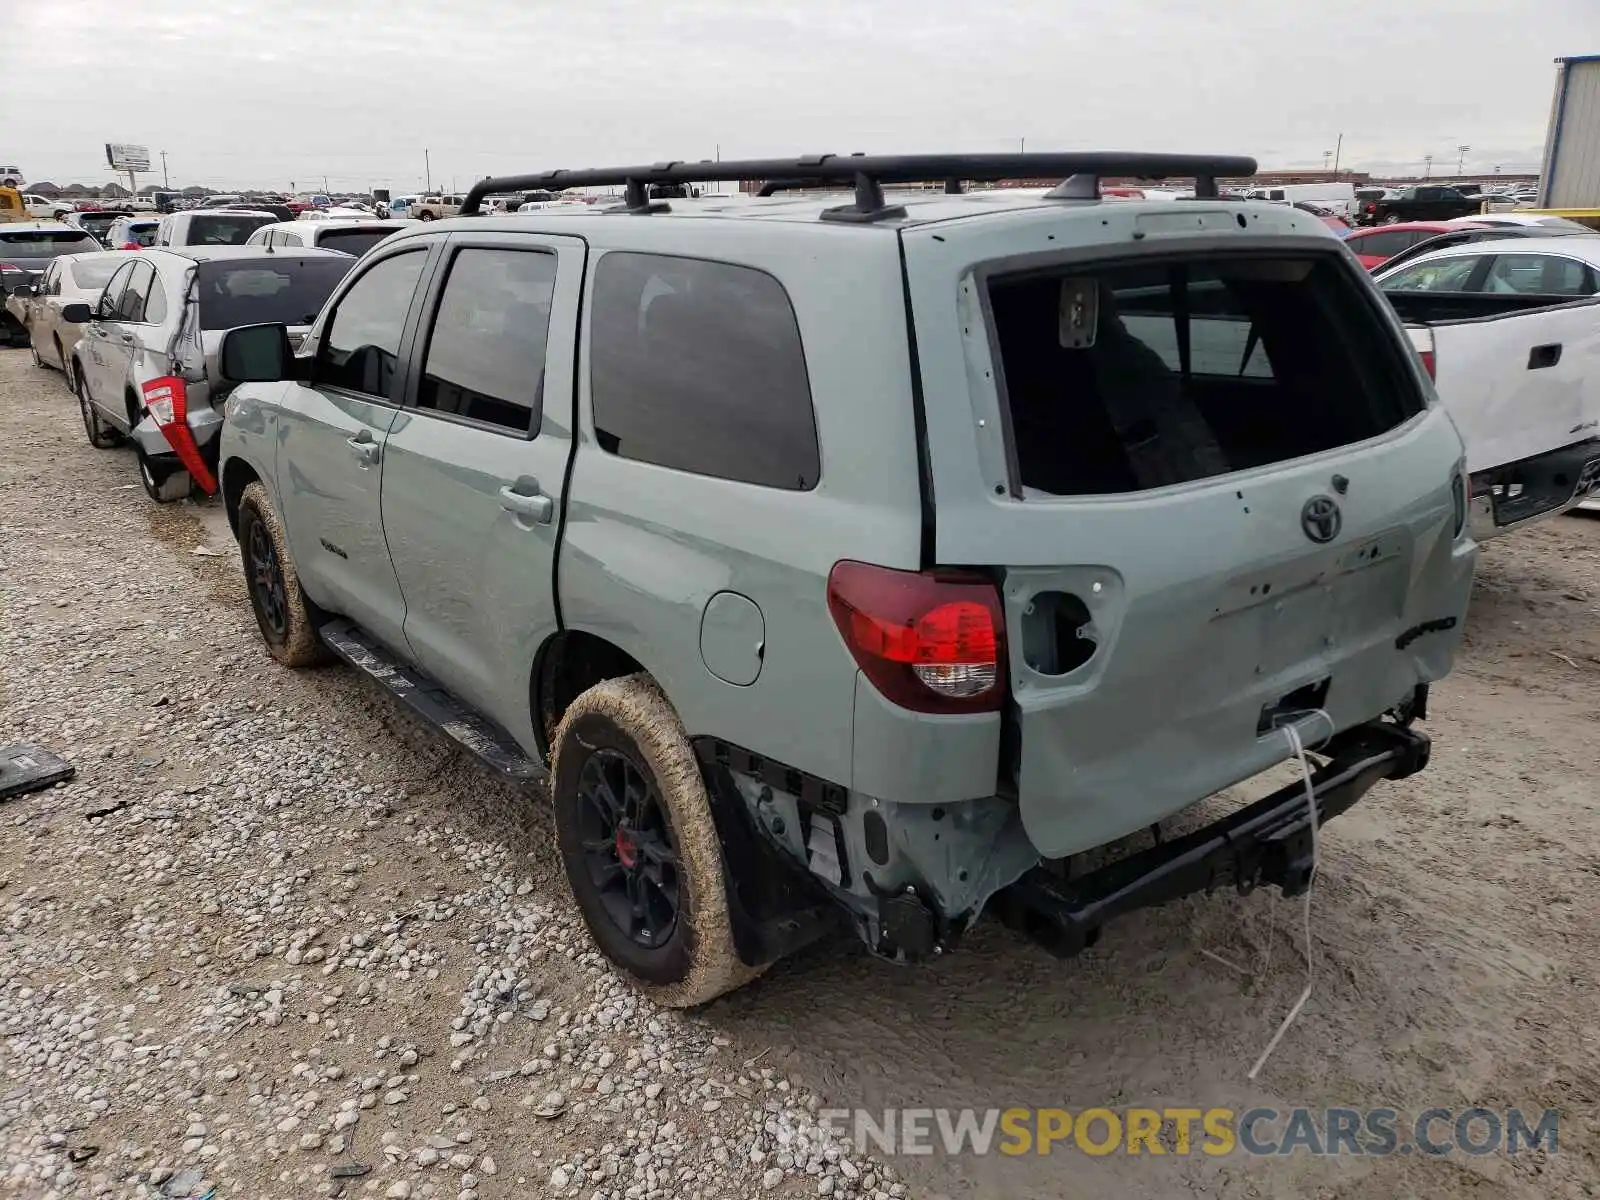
[(22, 290), (76, 313), (256, 354)]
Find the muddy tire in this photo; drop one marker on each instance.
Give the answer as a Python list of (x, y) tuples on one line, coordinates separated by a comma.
[(164, 489), (640, 846), (424, 215), (101, 436), (287, 619)]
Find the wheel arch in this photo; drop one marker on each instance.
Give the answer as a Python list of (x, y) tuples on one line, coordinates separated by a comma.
[(568, 664), (237, 474)]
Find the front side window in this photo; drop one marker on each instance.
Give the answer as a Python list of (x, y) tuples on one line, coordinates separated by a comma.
[(486, 354), (1436, 275), (698, 366), (110, 299), (360, 350)]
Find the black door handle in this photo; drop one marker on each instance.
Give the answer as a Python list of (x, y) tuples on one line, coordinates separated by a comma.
[(1544, 356)]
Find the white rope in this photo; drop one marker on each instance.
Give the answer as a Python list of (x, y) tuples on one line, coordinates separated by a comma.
[(1297, 747)]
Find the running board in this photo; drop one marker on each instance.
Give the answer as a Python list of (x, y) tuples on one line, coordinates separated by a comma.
[(430, 702)]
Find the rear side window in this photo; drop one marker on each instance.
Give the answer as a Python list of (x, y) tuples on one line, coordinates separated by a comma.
[(361, 347), (485, 359), (1434, 275), (94, 273), (698, 366), (1127, 377), (257, 291)]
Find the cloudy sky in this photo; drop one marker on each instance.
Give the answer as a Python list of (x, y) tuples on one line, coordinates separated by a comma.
[(262, 92)]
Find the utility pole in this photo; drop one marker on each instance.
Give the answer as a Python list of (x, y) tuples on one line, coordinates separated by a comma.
[(324, 185), (1461, 158), (1338, 151), (427, 178), (1022, 145), (1427, 166), (165, 185)]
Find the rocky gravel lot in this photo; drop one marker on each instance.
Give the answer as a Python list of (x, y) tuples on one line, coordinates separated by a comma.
[(274, 940)]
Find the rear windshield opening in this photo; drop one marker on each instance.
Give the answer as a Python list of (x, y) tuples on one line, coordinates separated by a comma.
[(353, 241), (262, 291), (218, 230), (1122, 378), (45, 243)]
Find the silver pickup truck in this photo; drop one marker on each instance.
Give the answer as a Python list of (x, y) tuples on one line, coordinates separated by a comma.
[(868, 557)]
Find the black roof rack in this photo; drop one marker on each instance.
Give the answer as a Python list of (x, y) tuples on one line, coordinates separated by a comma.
[(868, 173)]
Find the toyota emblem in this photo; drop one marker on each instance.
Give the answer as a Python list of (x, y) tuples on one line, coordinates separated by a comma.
[(1321, 519)]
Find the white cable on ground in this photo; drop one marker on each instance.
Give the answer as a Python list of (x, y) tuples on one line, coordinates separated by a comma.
[(1299, 751)]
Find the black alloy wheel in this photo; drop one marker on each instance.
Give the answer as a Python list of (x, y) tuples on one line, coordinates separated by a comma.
[(265, 577), (628, 848)]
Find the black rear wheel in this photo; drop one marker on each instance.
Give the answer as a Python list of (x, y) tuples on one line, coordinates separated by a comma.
[(640, 845), (101, 435)]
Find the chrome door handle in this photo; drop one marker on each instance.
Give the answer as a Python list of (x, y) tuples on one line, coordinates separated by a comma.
[(366, 450), (537, 507)]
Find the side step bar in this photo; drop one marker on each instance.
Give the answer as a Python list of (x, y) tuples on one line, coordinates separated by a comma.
[(431, 703), (1268, 842)]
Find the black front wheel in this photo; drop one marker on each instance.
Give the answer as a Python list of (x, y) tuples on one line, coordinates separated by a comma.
[(640, 845), (288, 621)]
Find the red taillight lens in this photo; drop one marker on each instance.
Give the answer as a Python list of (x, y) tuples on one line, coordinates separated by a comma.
[(1429, 364), (167, 398), (1372, 208), (930, 641), (5, 266)]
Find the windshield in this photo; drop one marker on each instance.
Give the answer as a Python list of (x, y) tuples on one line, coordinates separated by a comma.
[(45, 243), (260, 291), (91, 273), (353, 241), (226, 229)]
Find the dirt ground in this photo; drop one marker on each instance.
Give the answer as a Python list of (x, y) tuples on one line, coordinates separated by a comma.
[(1455, 913)]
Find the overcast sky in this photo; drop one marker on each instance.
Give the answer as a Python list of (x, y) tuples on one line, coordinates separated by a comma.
[(262, 92)]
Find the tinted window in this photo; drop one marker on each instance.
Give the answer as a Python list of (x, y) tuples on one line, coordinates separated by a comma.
[(485, 356), (1436, 275), (1383, 245), (699, 366), (225, 229), (143, 234), (44, 243), (256, 291), (130, 307), (110, 298), (362, 343), (352, 241)]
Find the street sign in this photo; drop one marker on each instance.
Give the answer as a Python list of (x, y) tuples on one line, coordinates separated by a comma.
[(127, 158)]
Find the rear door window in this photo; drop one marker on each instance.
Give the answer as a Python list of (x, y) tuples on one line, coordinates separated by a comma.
[(1537, 275), (360, 350), (45, 243), (698, 366), (1122, 378)]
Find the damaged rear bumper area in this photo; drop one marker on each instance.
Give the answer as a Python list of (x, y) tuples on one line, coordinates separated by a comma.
[(1268, 842)]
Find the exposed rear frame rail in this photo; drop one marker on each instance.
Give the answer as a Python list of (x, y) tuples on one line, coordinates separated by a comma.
[(867, 174)]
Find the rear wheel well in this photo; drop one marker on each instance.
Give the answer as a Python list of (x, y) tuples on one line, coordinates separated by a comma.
[(236, 476), (570, 664), (131, 399)]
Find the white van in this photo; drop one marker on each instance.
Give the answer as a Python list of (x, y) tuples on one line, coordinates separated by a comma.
[(1339, 198)]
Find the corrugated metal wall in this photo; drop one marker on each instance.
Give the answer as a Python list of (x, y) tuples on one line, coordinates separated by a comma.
[(1572, 155)]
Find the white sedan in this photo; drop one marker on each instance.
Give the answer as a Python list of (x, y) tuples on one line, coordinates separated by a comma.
[(37, 308)]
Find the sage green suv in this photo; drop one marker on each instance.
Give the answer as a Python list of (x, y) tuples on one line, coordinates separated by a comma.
[(863, 559)]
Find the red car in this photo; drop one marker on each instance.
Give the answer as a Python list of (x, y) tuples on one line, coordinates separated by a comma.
[(1376, 244)]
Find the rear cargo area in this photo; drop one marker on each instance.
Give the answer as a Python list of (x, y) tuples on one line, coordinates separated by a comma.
[(1186, 369)]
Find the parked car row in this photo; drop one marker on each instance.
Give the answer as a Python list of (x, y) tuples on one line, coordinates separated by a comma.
[(810, 661)]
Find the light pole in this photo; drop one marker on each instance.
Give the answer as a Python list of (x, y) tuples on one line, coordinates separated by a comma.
[(427, 167), (164, 184), (1461, 158), (1427, 166), (1022, 145)]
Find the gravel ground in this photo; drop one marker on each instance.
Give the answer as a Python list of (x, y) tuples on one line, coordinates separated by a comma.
[(277, 939)]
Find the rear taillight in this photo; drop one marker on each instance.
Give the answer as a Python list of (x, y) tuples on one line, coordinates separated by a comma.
[(1422, 343), (1372, 208), (5, 266), (167, 398), (930, 641)]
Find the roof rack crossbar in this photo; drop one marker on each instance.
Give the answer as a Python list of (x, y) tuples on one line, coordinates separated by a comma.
[(868, 173)]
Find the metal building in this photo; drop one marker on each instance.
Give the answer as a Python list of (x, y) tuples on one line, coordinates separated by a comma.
[(1571, 174)]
